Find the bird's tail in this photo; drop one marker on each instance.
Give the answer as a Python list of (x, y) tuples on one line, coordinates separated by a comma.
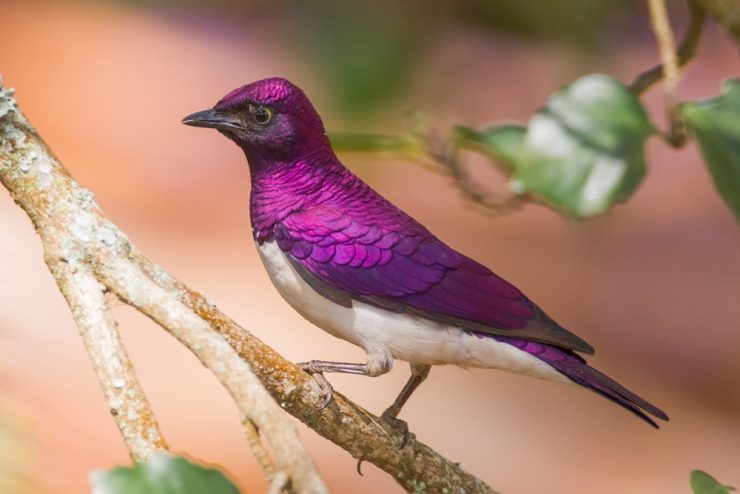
[(575, 368), (578, 371)]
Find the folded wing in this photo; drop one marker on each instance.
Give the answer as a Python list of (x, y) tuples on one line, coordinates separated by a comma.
[(390, 261)]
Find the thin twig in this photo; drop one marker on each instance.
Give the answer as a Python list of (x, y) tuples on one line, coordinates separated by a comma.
[(126, 400), (669, 61), (425, 148), (685, 52), (666, 45), (54, 202), (255, 444), (27, 165), (448, 156), (278, 483), (676, 135), (487, 201)]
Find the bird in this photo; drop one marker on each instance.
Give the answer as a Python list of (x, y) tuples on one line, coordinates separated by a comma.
[(357, 266)]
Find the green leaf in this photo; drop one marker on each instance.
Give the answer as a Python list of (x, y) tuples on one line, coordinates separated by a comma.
[(585, 151), (163, 474), (703, 483), (716, 125), (504, 143)]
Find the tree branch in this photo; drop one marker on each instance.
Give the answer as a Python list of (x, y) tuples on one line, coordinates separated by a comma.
[(60, 208), (87, 253), (127, 281), (346, 424), (125, 398), (21, 151), (260, 454)]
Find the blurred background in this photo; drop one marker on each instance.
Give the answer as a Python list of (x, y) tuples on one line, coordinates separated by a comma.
[(653, 285)]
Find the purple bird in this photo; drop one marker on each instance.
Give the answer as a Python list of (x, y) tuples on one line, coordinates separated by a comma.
[(361, 269)]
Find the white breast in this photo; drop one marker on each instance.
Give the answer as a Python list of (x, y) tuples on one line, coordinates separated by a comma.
[(385, 335)]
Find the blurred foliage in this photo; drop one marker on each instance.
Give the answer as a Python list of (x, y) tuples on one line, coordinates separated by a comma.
[(163, 474), (504, 143), (716, 124), (703, 483), (366, 51), (579, 154), (726, 12), (581, 24), (583, 152)]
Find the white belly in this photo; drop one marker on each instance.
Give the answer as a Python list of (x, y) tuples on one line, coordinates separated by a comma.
[(385, 334)]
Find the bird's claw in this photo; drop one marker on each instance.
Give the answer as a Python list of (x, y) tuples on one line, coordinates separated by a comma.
[(399, 426), (320, 379)]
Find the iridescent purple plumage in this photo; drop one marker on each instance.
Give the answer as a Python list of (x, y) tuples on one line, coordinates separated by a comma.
[(350, 244)]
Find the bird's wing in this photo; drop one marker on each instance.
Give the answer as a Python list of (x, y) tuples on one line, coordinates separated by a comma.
[(390, 261)]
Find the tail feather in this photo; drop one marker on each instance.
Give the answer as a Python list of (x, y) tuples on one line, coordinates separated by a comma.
[(581, 373), (575, 368)]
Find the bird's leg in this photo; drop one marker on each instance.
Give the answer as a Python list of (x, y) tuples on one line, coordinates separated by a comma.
[(375, 366), (419, 372)]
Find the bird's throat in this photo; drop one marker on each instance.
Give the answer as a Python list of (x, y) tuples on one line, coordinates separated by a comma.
[(281, 188)]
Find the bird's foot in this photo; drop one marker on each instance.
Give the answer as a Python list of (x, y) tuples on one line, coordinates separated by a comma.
[(317, 372), (399, 426)]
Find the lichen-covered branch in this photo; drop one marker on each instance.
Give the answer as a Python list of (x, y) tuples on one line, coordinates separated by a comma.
[(60, 209), (63, 220), (126, 400), (255, 444), (127, 281)]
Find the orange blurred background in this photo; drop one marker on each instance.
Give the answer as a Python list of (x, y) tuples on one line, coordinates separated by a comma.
[(653, 285)]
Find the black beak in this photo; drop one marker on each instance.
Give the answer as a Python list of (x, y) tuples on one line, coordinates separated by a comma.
[(213, 119)]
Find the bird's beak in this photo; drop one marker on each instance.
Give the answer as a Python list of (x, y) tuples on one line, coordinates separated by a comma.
[(213, 119)]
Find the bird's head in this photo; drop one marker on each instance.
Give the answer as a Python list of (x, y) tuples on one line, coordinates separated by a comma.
[(269, 119)]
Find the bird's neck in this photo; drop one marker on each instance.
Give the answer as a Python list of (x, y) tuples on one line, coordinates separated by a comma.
[(280, 188)]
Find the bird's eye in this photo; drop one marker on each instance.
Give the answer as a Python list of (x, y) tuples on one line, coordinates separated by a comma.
[(262, 115)]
